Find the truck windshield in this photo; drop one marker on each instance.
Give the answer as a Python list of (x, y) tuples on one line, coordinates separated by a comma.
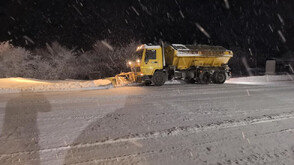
[(150, 54)]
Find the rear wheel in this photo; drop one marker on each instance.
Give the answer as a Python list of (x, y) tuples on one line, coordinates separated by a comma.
[(219, 77), (205, 78), (158, 78)]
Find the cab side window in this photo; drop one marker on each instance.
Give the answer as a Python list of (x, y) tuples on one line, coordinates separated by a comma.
[(150, 55)]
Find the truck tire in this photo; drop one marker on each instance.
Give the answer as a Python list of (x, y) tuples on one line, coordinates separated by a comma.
[(219, 77), (205, 78), (158, 78)]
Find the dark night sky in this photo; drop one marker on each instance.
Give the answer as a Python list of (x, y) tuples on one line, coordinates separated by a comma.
[(256, 24)]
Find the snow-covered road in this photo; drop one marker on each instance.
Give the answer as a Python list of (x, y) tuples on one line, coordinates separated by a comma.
[(173, 124)]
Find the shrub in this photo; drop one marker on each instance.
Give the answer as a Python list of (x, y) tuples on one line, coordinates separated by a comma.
[(14, 61), (58, 62)]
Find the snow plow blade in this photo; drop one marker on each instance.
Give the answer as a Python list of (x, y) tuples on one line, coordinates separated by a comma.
[(124, 79)]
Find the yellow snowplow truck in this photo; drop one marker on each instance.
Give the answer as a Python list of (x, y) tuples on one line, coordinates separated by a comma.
[(155, 64)]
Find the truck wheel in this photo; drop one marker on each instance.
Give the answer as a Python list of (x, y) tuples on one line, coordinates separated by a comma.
[(158, 78), (219, 77), (214, 78), (205, 78)]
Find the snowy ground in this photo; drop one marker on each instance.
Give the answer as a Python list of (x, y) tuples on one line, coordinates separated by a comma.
[(17, 84), (234, 123)]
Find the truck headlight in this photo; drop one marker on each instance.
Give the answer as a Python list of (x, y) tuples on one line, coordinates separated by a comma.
[(138, 61)]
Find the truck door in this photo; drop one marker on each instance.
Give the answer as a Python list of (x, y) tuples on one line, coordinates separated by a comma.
[(151, 61)]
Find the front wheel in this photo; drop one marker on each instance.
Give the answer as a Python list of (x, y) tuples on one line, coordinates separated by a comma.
[(158, 78)]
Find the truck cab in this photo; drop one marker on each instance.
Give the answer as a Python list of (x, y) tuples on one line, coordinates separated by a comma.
[(152, 60), (152, 64)]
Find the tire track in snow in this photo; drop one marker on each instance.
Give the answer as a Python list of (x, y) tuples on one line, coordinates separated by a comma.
[(175, 131), (259, 158), (164, 150)]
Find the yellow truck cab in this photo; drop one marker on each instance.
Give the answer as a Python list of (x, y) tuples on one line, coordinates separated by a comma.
[(192, 63), (152, 60)]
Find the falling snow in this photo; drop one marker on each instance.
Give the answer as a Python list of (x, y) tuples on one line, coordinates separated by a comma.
[(227, 4), (271, 28), (29, 39), (181, 13), (282, 36), (135, 11), (77, 9), (281, 19), (202, 30), (107, 45)]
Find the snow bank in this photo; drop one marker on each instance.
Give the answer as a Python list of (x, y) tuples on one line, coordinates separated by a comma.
[(259, 80), (15, 85), (251, 80)]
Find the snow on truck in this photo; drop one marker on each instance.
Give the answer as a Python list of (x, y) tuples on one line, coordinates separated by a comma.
[(156, 64)]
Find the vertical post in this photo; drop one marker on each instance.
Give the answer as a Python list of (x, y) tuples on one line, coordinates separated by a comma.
[(163, 55)]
